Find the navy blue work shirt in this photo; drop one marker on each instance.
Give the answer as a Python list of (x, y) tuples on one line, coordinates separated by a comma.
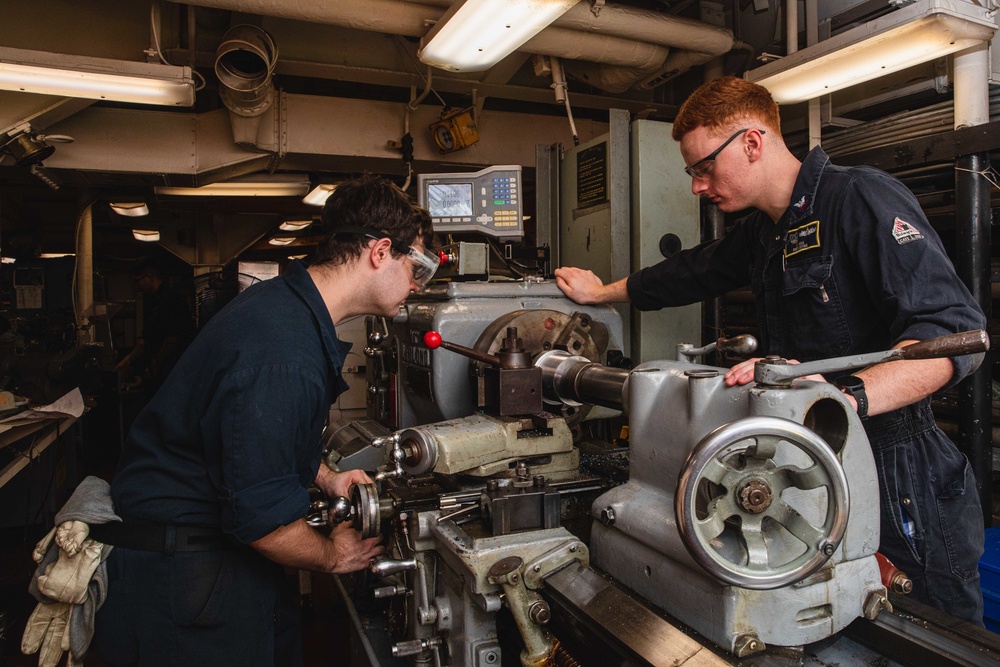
[(853, 266), (232, 438)]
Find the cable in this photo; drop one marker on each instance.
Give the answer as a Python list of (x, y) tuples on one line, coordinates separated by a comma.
[(561, 89), (156, 47), (416, 67), (511, 263)]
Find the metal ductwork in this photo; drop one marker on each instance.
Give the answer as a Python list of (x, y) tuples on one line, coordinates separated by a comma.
[(620, 46), (244, 63)]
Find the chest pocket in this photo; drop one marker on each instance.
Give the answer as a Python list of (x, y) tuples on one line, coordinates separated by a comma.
[(816, 322)]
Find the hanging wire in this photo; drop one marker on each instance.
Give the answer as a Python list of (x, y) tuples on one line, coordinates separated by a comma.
[(990, 174), (416, 67), (159, 53)]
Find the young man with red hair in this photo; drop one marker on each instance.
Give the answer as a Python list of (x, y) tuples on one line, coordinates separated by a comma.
[(841, 261)]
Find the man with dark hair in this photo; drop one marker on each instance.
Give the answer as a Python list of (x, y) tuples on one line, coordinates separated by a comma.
[(213, 484), (841, 261), (167, 328)]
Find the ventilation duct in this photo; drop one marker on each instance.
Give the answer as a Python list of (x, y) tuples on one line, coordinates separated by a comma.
[(244, 63), (632, 44)]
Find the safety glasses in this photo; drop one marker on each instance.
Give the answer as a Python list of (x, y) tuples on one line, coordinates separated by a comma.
[(423, 262), (703, 167)]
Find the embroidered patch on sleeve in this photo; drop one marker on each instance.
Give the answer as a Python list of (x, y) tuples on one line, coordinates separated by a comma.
[(904, 232), (802, 238)]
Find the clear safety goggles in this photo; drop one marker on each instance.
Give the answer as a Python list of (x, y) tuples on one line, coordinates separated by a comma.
[(423, 262)]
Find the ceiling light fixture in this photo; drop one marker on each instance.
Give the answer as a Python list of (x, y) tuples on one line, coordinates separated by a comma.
[(281, 240), (915, 34), (67, 75), (28, 150), (275, 186), (55, 255), (474, 35), (319, 194), (294, 225), (146, 235), (131, 209)]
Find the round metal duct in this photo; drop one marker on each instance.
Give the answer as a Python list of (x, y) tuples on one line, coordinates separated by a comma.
[(244, 63)]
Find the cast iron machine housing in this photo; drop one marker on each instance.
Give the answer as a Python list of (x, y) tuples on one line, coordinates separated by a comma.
[(477, 470), (751, 514)]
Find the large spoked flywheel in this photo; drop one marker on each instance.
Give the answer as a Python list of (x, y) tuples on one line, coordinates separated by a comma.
[(738, 511)]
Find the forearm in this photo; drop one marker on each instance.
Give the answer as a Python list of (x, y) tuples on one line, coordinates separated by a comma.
[(895, 384), (325, 478), (616, 292), (300, 546)]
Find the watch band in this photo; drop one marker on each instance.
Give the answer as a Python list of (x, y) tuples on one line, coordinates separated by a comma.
[(855, 386)]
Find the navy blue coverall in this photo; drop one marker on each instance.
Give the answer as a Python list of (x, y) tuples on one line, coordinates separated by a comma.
[(853, 266), (232, 441)]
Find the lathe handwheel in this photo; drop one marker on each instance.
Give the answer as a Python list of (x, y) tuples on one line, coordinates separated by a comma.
[(738, 457), (366, 518)]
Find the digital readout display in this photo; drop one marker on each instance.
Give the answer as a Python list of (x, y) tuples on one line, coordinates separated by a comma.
[(449, 199)]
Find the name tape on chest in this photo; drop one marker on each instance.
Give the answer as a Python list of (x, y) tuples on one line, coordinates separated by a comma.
[(904, 232), (802, 238)]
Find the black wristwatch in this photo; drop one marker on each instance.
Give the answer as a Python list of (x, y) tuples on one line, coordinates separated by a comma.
[(854, 386)]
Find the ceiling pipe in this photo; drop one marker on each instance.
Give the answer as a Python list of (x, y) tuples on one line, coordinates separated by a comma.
[(622, 37)]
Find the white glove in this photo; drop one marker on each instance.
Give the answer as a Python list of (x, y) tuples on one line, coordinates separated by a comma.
[(48, 629), (43, 546), (70, 536), (67, 579)]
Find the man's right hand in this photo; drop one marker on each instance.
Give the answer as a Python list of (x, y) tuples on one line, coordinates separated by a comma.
[(353, 553), (581, 285)]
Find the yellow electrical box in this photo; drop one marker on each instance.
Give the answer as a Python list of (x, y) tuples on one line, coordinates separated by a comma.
[(454, 131)]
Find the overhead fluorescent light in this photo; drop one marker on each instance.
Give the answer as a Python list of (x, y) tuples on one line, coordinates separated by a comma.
[(281, 240), (146, 235), (915, 34), (55, 255), (7, 260), (474, 35), (319, 194), (66, 75), (131, 209), (275, 186), (294, 225)]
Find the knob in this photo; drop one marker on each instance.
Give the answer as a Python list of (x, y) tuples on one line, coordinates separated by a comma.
[(432, 339)]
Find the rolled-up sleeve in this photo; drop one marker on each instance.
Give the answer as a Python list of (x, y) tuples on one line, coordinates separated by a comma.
[(907, 270), (270, 438)]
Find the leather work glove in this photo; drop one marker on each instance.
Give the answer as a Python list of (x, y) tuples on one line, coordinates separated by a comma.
[(67, 579), (48, 630), (43, 546), (70, 536)]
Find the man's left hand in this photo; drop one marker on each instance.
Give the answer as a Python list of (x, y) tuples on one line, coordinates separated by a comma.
[(336, 484)]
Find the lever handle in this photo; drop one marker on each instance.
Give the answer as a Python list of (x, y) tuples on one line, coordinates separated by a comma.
[(952, 345), (432, 339), (743, 344)]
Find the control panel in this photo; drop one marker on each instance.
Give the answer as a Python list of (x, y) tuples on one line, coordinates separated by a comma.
[(487, 201)]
